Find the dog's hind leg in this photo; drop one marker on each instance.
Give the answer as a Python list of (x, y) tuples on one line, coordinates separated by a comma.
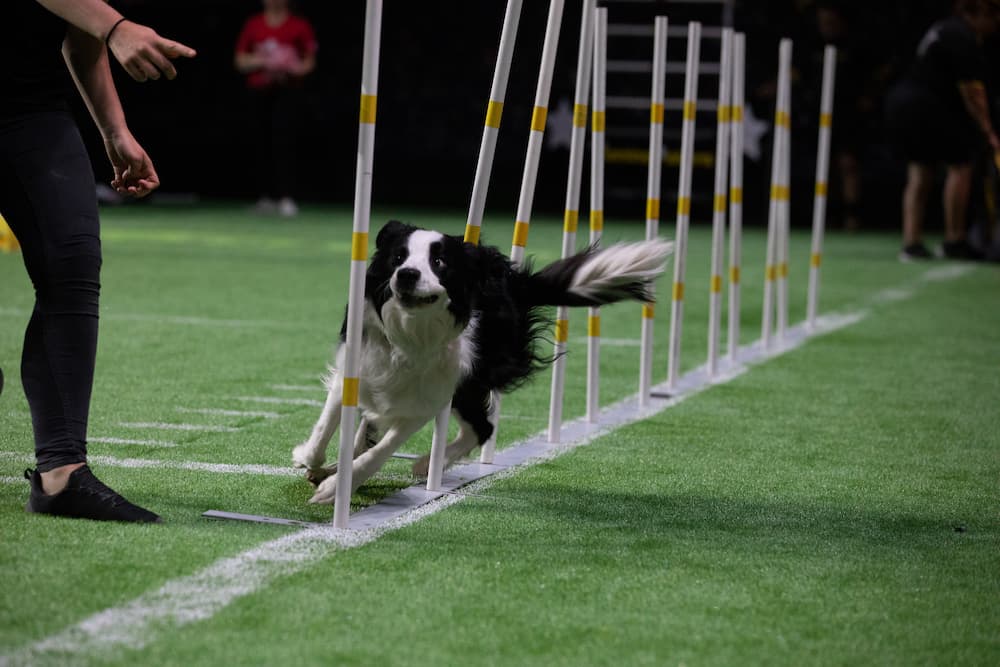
[(311, 454), (371, 461), (473, 409)]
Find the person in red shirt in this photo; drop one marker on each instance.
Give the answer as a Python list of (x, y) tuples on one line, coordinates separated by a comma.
[(276, 50)]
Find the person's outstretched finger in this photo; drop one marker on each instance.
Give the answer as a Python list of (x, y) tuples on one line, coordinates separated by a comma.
[(173, 49)]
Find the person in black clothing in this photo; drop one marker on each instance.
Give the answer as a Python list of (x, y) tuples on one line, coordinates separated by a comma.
[(47, 196), (939, 113)]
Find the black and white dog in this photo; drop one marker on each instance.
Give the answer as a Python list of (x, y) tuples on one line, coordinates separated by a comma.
[(451, 321)]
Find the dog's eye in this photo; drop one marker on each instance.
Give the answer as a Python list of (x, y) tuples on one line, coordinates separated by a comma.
[(438, 262), (399, 257)]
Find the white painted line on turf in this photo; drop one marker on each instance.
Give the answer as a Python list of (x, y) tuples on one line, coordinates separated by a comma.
[(201, 595), (7, 479), (197, 466), (230, 413), (611, 342), (187, 320), (275, 400), (948, 272), (129, 441), (298, 387), (166, 426)]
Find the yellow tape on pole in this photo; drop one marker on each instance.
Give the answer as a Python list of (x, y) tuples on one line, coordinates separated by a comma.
[(472, 234), (580, 115), (594, 326), (736, 195), (825, 120), (562, 331), (678, 292), (720, 203), (368, 104), (520, 234), (359, 246), (648, 311), (597, 221), (716, 285), (690, 108), (656, 113), (538, 117), (598, 120), (821, 189), (683, 206), (652, 209), (571, 220), (737, 113), (350, 398), (734, 275), (493, 113), (815, 260)]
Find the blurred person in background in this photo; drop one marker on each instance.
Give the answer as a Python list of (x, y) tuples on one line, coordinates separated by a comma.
[(47, 196), (276, 50), (938, 113)]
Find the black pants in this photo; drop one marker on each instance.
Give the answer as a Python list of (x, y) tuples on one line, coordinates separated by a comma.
[(47, 196), (277, 115)]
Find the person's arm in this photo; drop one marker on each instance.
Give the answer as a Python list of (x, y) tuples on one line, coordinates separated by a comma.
[(974, 97), (87, 60), (142, 52)]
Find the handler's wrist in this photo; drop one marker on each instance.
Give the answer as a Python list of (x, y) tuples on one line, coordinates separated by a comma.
[(111, 30)]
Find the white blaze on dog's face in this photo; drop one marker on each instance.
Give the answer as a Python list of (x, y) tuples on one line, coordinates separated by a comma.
[(415, 281)]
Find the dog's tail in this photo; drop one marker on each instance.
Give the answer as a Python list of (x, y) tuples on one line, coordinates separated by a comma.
[(598, 276)]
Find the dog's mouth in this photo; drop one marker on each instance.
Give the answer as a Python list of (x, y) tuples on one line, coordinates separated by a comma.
[(414, 301)]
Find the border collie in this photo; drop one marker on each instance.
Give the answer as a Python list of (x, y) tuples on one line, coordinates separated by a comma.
[(451, 321)]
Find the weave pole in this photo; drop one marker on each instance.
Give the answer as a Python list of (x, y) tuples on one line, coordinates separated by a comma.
[(822, 174), (530, 176), (571, 217), (684, 202), (491, 128), (359, 262), (597, 127), (736, 195), (538, 117), (778, 192), (724, 123), (477, 206), (784, 209), (660, 24)]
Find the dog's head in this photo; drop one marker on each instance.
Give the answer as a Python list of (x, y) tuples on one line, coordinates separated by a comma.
[(421, 270)]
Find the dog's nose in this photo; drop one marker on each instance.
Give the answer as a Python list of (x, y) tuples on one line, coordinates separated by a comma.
[(406, 279)]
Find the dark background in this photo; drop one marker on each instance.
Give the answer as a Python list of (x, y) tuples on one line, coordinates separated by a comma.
[(437, 64)]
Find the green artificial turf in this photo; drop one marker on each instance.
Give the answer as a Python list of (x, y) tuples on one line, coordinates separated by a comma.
[(836, 505)]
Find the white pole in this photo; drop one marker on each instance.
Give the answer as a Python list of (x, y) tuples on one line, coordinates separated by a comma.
[(359, 261), (736, 195), (653, 193), (571, 217), (822, 173), (477, 205), (491, 128), (538, 118), (784, 206), (777, 194), (528, 180), (597, 125), (684, 201), (719, 208)]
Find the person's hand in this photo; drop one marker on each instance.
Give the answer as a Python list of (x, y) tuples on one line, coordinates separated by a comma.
[(143, 53), (134, 172)]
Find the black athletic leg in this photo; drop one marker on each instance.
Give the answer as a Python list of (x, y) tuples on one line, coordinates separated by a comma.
[(48, 197)]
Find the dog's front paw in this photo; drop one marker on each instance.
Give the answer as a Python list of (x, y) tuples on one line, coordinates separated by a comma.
[(326, 492), (306, 456), (421, 465)]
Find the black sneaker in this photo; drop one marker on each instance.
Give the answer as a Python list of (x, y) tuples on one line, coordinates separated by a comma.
[(915, 252), (961, 250), (85, 497)]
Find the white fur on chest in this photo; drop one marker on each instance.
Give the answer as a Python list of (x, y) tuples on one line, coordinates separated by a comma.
[(410, 363)]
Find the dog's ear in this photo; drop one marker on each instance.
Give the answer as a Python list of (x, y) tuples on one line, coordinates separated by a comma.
[(391, 231)]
